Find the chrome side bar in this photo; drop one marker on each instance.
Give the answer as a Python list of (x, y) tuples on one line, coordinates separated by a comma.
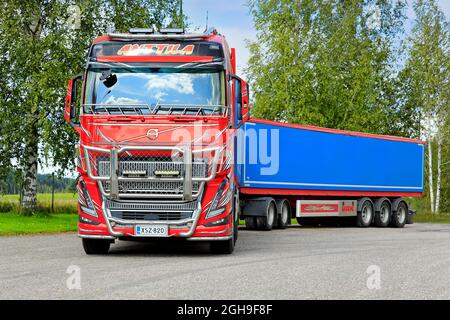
[(187, 185), (114, 171)]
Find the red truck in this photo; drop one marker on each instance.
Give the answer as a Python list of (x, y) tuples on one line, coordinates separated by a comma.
[(167, 149)]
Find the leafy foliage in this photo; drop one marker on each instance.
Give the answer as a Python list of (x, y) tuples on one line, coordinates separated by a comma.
[(322, 63), (42, 44)]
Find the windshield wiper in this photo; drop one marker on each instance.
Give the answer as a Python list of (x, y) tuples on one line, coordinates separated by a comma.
[(119, 108), (184, 109)]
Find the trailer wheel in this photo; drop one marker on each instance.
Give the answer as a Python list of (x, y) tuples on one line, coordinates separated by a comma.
[(266, 223), (284, 213), (382, 213), (250, 223), (399, 216), (96, 246), (365, 214)]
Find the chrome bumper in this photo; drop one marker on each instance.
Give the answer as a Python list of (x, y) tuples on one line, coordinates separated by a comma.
[(193, 221)]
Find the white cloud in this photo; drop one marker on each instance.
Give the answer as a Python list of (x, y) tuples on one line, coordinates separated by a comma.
[(121, 100), (181, 83)]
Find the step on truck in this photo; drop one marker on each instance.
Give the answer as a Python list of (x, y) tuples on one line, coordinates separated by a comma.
[(167, 149)]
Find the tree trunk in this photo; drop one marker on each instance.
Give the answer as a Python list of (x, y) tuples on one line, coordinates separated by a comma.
[(439, 171), (29, 185), (430, 173)]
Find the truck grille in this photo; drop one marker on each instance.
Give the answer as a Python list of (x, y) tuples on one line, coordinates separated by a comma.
[(151, 216), (149, 167), (161, 211), (150, 206)]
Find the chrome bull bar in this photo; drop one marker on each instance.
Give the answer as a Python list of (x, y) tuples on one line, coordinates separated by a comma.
[(114, 178)]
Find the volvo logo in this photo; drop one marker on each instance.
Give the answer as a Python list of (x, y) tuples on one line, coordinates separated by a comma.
[(152, 134)]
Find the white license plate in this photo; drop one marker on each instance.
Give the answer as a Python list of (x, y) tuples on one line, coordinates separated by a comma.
[(151, 231)]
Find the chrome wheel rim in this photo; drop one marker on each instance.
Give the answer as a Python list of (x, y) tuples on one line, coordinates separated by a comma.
[(384, 214), (401, 214), (366, 214)]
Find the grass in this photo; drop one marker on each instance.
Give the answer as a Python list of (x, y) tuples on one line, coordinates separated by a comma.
[(432, 217), (64, 203), (15, 224), (64, 218)]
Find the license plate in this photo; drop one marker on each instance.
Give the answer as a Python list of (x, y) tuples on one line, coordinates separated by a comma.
[(151, 231)]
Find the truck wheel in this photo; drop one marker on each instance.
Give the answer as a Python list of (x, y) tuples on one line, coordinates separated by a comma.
[(284, 213), (365, 214), (383, 213), (250, 223), (96, 246), (266, 223), (400, 215), (224, 246)]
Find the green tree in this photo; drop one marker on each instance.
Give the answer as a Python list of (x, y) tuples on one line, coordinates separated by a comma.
[(43, 43), (327, 63), (427, 75)]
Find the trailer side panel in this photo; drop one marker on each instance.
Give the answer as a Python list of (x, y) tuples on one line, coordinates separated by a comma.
[(279, 156)]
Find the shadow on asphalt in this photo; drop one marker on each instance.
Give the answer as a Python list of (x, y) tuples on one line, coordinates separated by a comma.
[(159, 248)]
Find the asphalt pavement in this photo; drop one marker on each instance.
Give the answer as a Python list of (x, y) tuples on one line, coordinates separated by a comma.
[(296, 263)]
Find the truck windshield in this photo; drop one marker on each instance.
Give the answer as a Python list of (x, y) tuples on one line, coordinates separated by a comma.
[(155, 91)]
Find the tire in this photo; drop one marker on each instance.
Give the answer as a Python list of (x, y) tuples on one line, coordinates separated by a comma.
[(284, 216), (383, 215), (365, 214), (400, 215), (266, 223), (96, 246), (224, 246), (250, 223)]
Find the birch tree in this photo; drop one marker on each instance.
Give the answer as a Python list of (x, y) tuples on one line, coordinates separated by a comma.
[(42, 44), (428, 70)]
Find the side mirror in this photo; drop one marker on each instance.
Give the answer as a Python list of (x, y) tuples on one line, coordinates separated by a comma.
[(70, 107), (245, 101), (240, 99)]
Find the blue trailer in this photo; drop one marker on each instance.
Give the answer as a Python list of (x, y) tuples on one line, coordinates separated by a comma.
[(325, 173)]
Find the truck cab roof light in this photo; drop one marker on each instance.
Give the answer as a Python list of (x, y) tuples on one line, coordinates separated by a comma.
[(142, 30), (171, 31)]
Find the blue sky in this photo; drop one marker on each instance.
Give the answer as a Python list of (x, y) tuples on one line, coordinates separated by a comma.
[(232, 19)]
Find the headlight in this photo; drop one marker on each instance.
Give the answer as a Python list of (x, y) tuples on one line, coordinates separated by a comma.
[(86, 204), (221, 199)]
